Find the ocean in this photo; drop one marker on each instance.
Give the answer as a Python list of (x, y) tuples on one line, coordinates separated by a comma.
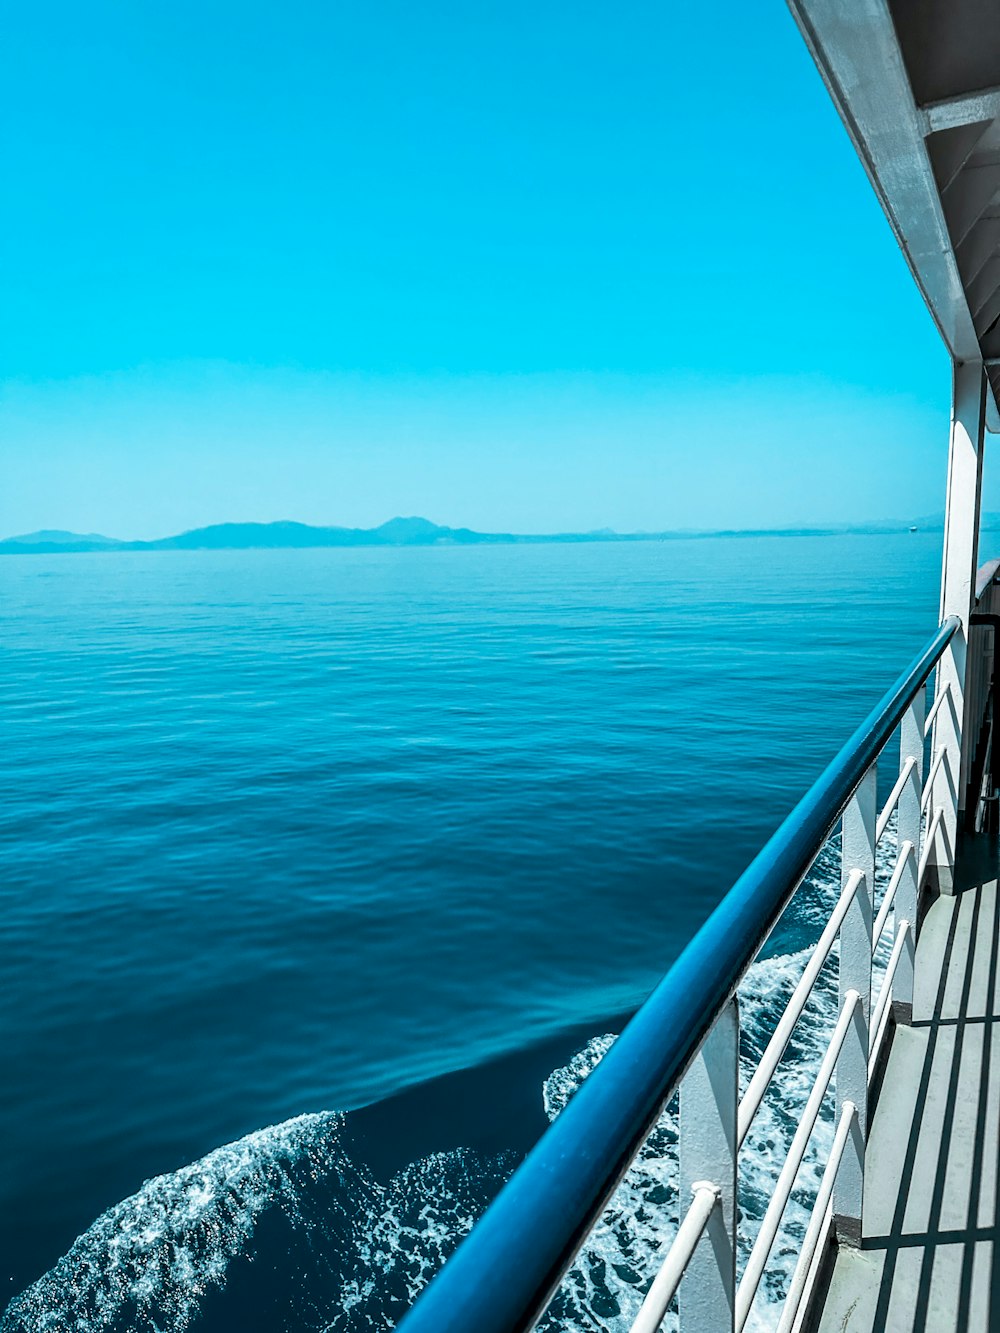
[(327, 874)]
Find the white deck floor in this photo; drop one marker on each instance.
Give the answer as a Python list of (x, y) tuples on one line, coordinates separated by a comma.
[(930, 1261)]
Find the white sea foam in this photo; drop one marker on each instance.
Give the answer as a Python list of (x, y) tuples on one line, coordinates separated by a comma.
[(148, 1263), (153, 1256), (402, 1239)]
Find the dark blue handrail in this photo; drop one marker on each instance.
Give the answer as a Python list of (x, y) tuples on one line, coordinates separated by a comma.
[(504, 1274)]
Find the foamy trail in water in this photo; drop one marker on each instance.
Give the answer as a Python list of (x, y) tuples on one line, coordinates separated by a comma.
[(148, 1264), (152, 1257)]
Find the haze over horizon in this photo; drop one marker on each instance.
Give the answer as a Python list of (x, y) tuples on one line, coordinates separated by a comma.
[(415, 529), (480, 265)]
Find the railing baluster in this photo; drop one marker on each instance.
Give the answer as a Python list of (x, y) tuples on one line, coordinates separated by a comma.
[(947, 736), (857, 853), (704, 1202), (939, 698), (911, 744), (891, 804), (792, 1314), (709, 1098)]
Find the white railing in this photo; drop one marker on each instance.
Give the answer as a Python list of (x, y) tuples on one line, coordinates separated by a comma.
[(857, 1040), (850, 1062), (687, 1037)]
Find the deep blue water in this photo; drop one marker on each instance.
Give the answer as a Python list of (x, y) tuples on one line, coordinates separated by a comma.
[(288, 833)]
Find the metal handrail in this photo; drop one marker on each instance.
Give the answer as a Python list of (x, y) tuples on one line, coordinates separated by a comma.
[(880, 1013), (754, 1270), (819, 1222), (689, 1233), (906, 850), (936, 706), (769, 1061), (502, 1277), (931, 834), (893, 798), (925, 795)]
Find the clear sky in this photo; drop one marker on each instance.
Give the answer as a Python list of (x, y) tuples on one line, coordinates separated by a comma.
[(522, 266)]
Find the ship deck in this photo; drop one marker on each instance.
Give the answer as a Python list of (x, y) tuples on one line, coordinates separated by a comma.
[(930, 1259)]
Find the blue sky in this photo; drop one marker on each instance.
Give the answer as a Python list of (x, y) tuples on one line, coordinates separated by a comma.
[(520, 266)]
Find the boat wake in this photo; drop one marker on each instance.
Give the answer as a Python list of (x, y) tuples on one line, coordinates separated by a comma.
[(359, 1251), (151, 1259), (151, 1263)]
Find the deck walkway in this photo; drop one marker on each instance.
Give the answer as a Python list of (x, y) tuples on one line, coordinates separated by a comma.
[(929, 1261)]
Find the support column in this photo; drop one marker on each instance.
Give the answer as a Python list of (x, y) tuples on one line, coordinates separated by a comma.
[(709, 1106), (857, 853), (911, 746), (958, 590)]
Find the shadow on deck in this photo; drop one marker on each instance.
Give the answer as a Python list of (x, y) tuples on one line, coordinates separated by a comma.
[(930, 1260)]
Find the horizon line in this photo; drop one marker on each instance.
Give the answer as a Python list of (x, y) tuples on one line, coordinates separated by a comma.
[(416, 530)]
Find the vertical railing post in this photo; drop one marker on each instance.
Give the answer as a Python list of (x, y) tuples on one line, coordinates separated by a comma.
[(857, 853), (975, 715), (911, 746), (958, 591), (709, 1104), (948, 736)]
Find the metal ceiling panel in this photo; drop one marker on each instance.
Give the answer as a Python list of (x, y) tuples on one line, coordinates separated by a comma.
[(917, 86)]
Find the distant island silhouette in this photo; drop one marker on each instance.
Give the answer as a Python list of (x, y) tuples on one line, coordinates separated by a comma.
[(406, 532)]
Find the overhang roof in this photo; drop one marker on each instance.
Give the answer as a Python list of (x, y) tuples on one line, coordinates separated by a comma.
[(917, 84)]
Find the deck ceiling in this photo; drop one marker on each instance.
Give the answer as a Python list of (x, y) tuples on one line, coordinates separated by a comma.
[(917, 84)]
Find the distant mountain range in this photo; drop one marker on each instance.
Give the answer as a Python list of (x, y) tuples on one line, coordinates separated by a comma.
[(405, 532)]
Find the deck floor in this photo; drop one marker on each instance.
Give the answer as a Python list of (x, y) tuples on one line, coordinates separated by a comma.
[(930, 1261)]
